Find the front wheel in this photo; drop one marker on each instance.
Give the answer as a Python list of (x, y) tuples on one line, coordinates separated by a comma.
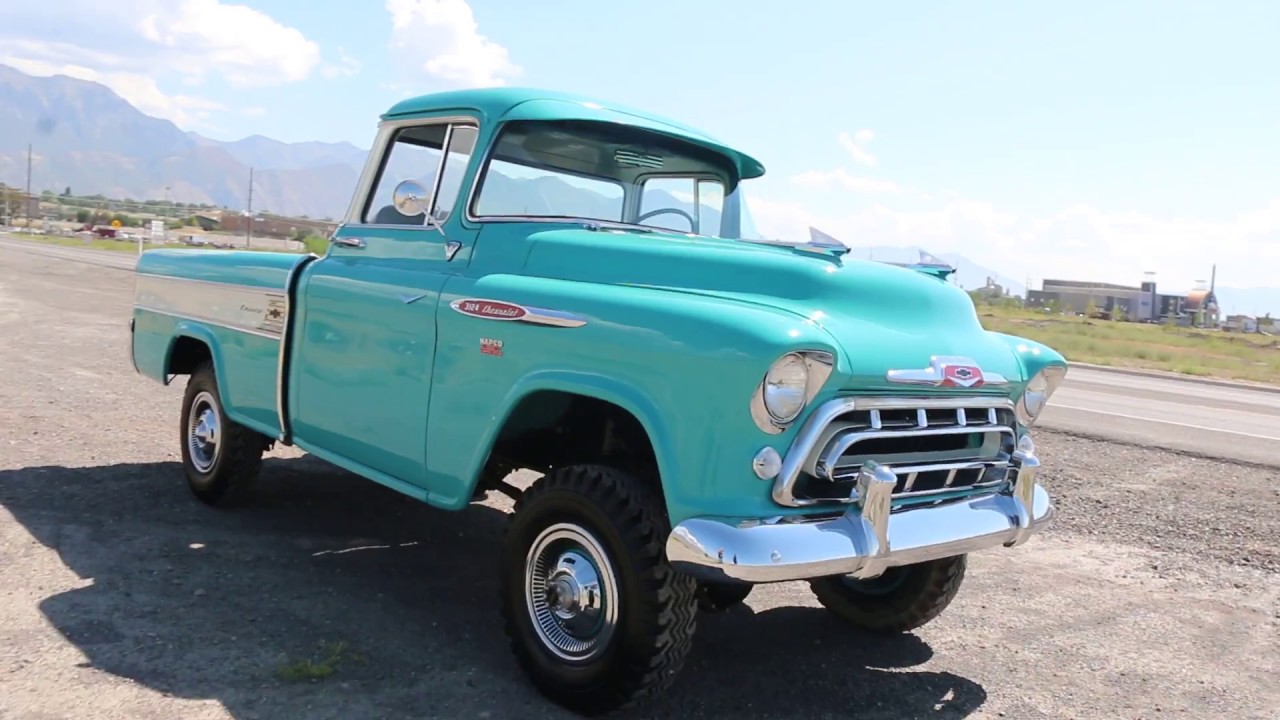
[(903, 598), (594, 614)]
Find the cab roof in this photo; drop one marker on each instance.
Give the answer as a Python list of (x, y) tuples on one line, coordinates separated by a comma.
[(513, 103)]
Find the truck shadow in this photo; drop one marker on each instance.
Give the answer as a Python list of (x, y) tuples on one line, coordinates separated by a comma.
[(333, 594)]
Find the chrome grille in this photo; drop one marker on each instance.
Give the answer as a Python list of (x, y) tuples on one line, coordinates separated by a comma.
[(933, 446)]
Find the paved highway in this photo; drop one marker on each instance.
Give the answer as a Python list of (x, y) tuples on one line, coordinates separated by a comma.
[(1226, 422)]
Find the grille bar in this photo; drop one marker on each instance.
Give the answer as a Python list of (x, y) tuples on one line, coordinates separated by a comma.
[(932, 445)]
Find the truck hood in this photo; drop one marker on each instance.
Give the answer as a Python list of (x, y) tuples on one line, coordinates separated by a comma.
[(880, 316)]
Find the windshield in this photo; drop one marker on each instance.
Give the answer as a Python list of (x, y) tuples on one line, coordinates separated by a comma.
[(611, 173)]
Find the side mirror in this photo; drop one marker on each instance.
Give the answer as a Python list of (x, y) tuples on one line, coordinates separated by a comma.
[(410, 198)]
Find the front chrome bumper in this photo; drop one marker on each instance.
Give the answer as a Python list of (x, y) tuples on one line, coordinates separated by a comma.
[(867, 539)]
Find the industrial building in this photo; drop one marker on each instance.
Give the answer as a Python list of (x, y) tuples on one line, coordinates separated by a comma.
[(1142, 303)]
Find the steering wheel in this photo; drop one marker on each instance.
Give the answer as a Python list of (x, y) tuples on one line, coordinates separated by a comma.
[(659, 211)]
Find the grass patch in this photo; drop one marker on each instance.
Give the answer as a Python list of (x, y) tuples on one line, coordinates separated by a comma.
[(324, 664), (1190, 351)]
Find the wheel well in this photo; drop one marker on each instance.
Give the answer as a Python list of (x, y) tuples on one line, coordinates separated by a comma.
[(551, 429), (186, 355)]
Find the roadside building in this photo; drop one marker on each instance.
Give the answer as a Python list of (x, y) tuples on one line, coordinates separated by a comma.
[(1139, 303)]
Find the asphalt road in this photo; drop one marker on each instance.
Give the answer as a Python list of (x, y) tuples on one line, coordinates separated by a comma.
[(1183, 415), (121, 597), (1210, 420)]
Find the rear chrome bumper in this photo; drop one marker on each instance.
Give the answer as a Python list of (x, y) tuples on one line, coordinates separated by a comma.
[(867, 539)]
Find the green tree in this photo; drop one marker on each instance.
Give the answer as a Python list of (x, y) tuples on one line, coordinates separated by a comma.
[(83, 215)]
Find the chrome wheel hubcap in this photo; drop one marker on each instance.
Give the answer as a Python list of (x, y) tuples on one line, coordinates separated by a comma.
[(203, 426), (571, 592)]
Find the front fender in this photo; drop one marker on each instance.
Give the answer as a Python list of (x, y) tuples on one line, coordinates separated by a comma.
[(1032, 356), (684, 366), (594, 385)]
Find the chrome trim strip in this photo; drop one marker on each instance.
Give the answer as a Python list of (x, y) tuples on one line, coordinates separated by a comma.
[(209, 321), (822, 416), (555, 318), (142, 276), (864, 540)]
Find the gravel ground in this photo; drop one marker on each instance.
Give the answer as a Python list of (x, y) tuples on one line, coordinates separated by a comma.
[(1157, 593)]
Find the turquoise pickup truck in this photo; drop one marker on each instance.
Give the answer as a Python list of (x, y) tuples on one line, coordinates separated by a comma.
[(528, 280)]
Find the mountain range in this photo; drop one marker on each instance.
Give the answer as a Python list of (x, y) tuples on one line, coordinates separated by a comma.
[(87, 138)]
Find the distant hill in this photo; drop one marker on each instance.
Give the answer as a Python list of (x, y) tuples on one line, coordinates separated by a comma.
[(86, 137)]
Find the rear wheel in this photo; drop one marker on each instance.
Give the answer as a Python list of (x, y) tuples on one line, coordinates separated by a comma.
[(594, 614), (220, 457), (903, 598)]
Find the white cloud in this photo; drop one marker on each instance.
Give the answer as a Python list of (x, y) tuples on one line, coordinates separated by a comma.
[(139, 90), (132, 46), (839, 178), (346, 66), (243, 45), (1077, 242), (855, 145), (441, 39)]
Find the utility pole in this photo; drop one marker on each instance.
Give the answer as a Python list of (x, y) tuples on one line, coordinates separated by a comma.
[(26, 207), (248, 225)]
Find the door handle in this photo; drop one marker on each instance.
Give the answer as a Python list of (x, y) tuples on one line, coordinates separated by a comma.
[(345, 241)]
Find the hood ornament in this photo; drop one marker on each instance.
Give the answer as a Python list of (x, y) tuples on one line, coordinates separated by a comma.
[(947, 371)]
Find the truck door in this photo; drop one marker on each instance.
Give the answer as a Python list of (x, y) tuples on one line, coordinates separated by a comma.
[(360, 378)]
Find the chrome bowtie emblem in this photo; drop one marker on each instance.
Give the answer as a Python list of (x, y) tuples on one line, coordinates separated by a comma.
[(947, 371)]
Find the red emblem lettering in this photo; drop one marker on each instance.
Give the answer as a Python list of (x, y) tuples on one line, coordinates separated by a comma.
[(491, 309)]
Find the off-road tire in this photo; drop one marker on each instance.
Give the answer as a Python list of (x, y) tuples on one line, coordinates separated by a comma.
[(716, 597), (656, 607), (237, 459), (919, 594)]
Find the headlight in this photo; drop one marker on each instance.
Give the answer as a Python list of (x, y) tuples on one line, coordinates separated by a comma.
[(1036, 396), (787, 388), (784, 388)]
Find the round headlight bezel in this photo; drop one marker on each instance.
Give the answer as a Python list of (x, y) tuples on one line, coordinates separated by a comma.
[(1035, 396), (784, 390)]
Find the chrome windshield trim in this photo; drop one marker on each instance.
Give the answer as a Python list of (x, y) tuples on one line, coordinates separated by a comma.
[(822, 416)]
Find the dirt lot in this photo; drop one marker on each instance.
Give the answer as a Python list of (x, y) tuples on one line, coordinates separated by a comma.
[(121, 597)]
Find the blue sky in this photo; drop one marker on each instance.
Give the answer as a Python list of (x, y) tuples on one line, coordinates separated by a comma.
[(1093, 140)]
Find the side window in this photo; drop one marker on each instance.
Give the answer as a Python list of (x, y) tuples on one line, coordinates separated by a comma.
[(462, 143), (414, 154), (682, 204)]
